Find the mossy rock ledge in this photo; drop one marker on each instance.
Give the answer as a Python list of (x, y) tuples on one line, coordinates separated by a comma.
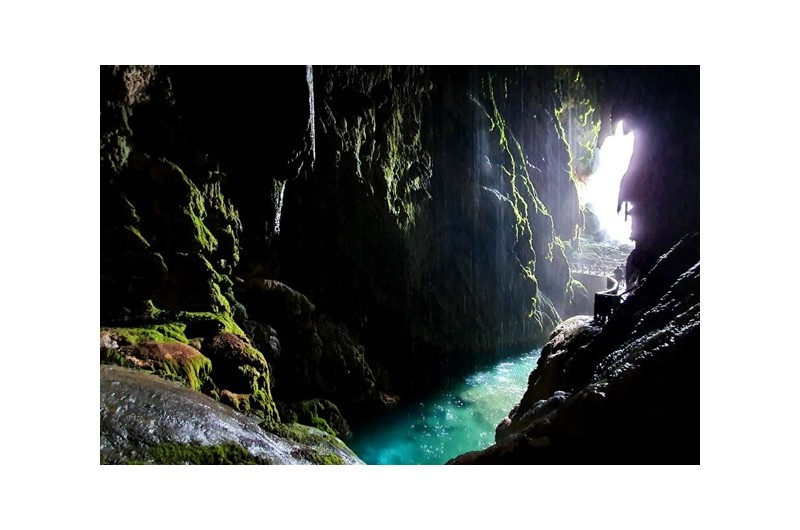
[(146, 419)]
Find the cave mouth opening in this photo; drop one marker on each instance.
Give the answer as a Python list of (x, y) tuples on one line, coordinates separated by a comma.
[(600, 194)]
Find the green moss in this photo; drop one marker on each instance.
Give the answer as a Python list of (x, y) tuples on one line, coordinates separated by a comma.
[(381, 143), (311, 419), (301, 434), (150, 312), (322, 425), (195, 371), (254, 393), (202, 234), (250, 371), (220, 303), (174, 453), (323, 459), (136, 238), (165, 332), (578, 121), (128, 211), (319, 413), (225, 319), (170, 327), (240, 402), (113, 356), (524, 198), (576, 289), (224, 281), (193, 206), (254, 357), (262, 401), (182, 365), (220, 209)]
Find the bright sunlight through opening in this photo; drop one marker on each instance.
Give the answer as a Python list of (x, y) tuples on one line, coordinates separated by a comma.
[(602, 189)]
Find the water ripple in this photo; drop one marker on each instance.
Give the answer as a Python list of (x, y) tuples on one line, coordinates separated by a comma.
[(460, 419)]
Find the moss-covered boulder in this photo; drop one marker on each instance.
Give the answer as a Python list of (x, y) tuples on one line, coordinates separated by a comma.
[(175, 453), (315, 445), (229, 350), (146, 419), (319, 358), (242, 374), (319, 413), (229, 367), (171, 360)]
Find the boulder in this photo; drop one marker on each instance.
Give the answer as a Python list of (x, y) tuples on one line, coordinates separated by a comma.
[(316, 357), (627, 392), (171, 360), (320, 413), (145, 419)]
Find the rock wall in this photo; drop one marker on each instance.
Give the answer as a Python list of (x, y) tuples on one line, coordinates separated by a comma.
[(434, 237), (308, 241), (628, 391), (188, 160), (662, 184), (625, 392)]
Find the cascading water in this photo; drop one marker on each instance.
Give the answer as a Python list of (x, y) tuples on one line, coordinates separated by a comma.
[(459, 419)]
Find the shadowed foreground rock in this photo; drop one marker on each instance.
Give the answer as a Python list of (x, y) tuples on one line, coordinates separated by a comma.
[(625, 392), (146, 419)]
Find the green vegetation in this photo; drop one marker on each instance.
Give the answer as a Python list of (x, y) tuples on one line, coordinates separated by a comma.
[(113, 356), (323, 459), (225, 320), (223, 220), (174, 453), (578, 124), (258, 402), (264, 406), (162, 347), (306, 435), (161, 213), (578, 121), (135, 237), (170, 359), (381, 143), (319, 446), (524, 198), (202, 234), (575, 289), (164, 332), (194, 207), (193, 371), (319, 413), (302, 434)]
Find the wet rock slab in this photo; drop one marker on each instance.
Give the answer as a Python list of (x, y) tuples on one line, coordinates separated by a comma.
[(140, 412)]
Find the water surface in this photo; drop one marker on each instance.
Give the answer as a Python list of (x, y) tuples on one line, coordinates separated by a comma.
[(460, 419)]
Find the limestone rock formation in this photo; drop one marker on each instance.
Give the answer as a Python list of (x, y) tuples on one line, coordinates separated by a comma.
[(624, 392), (319, 242), (145, 419)]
